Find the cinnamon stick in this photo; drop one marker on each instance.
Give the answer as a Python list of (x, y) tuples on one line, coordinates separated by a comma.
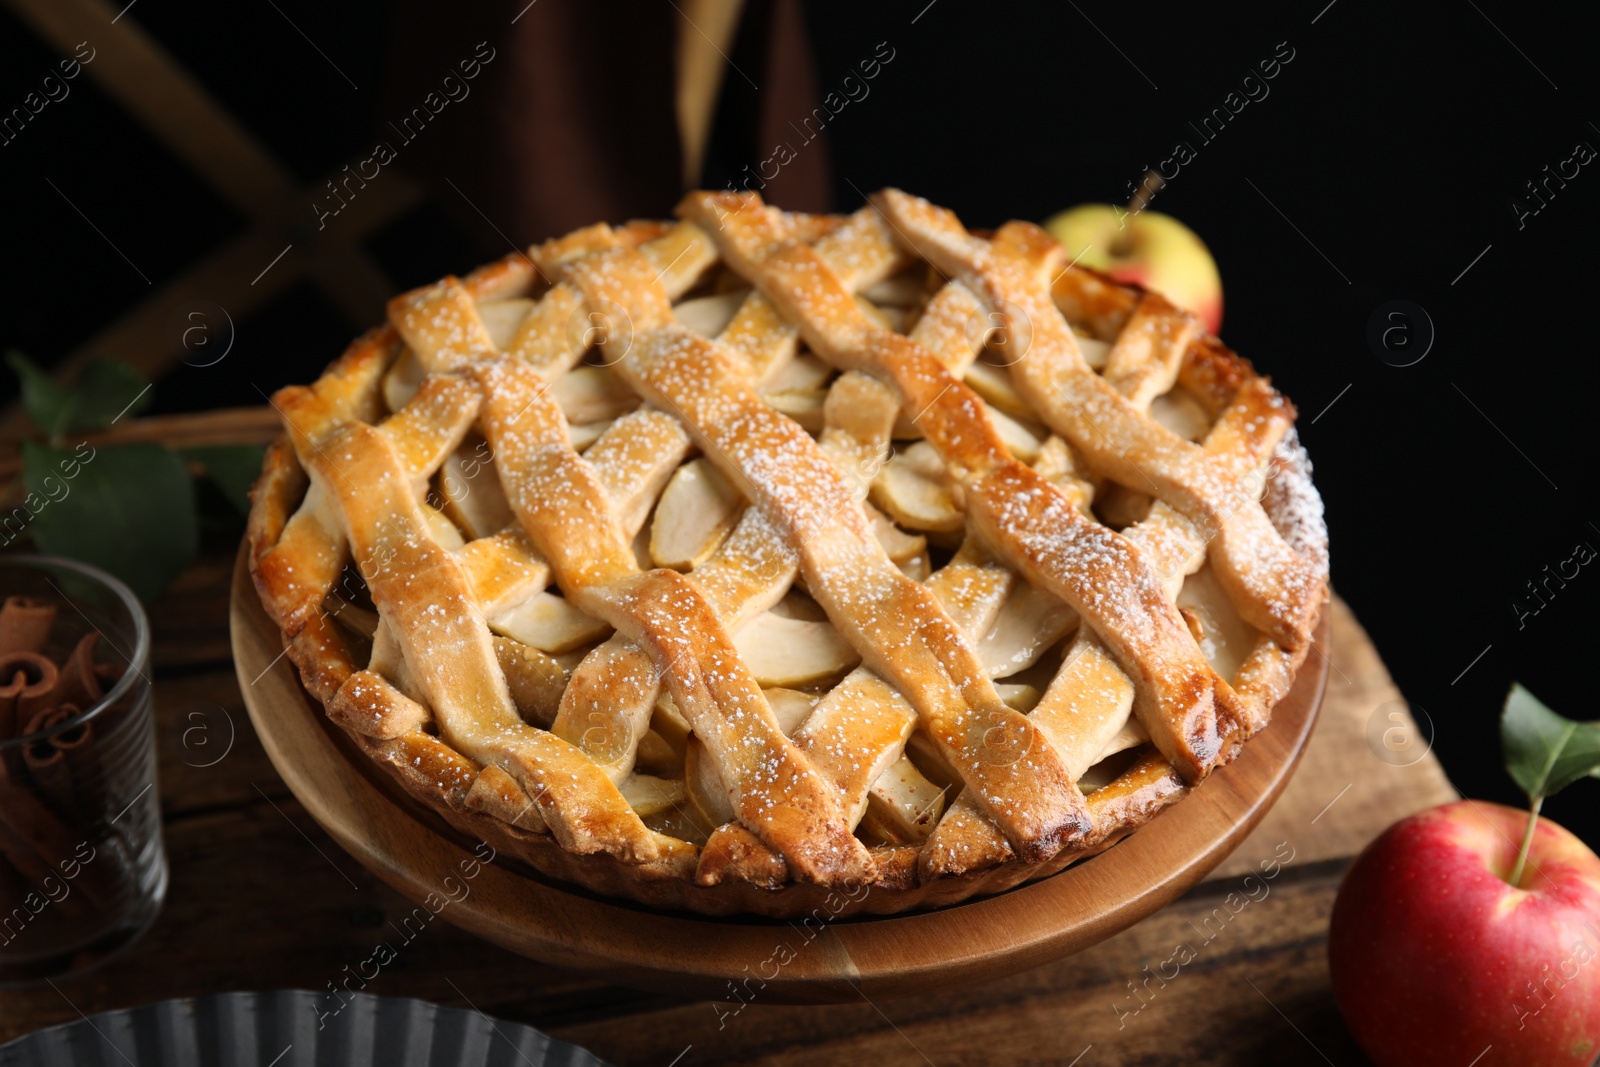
[(39, 696), (27, 682), (77, 682), (52, 791), (76, 744), (25, 624), (13, 887), (106, 677), (47, 764), (39, 845)]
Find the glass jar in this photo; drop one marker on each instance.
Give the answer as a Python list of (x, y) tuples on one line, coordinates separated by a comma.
[(82, 868)]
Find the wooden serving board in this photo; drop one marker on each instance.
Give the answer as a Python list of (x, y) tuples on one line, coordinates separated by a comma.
[(514, 907)]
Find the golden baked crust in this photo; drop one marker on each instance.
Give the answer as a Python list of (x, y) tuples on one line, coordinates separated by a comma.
[(736, 446)]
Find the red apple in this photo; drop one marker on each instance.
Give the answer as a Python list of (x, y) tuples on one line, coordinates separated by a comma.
[(1436, 957), (1154, 250)]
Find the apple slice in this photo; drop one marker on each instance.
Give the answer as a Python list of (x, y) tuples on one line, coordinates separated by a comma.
[(1018, 695), (903, 290), (1182, 414), (535, 679), (668, 723), (903, 806), (694, 516), (791, 706), (803, 407), (549, 623), (1132, 735), (502, 317), (648, 795), (402, 380), (708, 315), (1022, 438), (908, 551), (785, 653), (585, 434), (442, 529), (913, 489), (1030, 621), (357, 620), (993, 384), (704, 786), (473, 497), (657, 756), (590, 394), (804, 373)]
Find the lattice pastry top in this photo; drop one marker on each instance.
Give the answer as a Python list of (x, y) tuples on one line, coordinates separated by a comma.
[(712, 562)]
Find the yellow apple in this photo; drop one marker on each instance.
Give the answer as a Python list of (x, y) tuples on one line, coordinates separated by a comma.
[(1153, 250)]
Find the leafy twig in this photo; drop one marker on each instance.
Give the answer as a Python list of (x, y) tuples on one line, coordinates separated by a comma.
[(127, 508), (1544, 754)]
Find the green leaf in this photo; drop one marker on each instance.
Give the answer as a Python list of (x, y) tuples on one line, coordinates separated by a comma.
[(47, 402), (104, 391), (1545, 752), (128, 509), (233, 468)]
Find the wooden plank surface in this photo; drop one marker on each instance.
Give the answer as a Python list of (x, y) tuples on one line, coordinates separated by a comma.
[(260, 898), (1370, 768)]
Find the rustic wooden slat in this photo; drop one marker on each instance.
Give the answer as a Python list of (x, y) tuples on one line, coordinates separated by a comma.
[(706, 30), (233, 426), (144, 78), (240, 278), (140, 338), (352, 281), (257, 424)]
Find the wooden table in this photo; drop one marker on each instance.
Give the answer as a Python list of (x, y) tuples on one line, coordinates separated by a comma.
[(261, 898)]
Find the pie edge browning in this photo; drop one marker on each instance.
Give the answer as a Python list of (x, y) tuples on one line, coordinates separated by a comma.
[(440, 778)]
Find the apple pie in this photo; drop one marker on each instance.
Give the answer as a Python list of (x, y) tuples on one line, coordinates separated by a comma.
[(725, 563)]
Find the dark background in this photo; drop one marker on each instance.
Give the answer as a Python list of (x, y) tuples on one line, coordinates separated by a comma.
[(1391, 148)]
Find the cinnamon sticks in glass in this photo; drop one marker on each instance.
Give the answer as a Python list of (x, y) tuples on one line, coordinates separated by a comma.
[(52, 788)]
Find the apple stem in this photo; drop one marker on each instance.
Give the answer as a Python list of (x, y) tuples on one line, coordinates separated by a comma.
[(1151, 184), (1527, 841)]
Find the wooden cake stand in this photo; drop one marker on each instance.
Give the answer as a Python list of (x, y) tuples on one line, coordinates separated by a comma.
[(414, 851)]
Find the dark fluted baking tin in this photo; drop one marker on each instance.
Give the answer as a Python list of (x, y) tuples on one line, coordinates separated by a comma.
[(281, 1030)]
